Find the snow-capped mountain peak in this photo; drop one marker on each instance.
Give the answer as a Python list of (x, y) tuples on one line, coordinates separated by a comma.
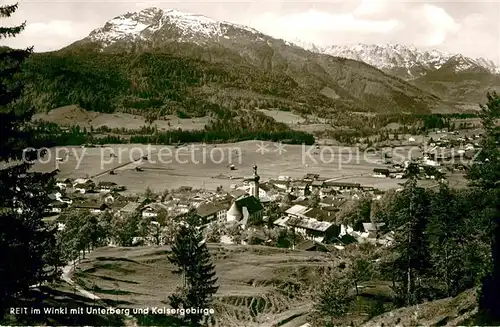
[(181, 26), (403, 60)]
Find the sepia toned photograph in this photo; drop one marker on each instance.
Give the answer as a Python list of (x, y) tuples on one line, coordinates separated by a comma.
[(279, 163)]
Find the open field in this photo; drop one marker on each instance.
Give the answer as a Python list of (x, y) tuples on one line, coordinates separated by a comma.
[(255, 281), (74, 115), (298, 123), (207, 165)]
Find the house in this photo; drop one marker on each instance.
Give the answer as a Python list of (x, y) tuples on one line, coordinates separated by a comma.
[(112, 197), (317, 185), (310, 177), (374, 229), (212, 211), (381, 172), (319, 231), (55, 196), (283, 185), (300, 188), (245, 209), (296, 210), (106, 186), (152, 210), (65, 199), (411, 139), (428, 162), (83, 185), (56, 207), (320, 214), (235, 194), (326, 192), (149, 212), (84, 181), (346, 230), (63, 183), (341, 186), (93, 207), (130, 208), (281, 222), (264, 192), (309, 222)]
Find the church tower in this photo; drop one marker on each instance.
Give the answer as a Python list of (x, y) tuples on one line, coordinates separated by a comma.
[(256, 179)]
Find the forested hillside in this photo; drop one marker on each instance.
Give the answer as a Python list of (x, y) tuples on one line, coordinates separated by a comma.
[(162, 84), (156, 84)]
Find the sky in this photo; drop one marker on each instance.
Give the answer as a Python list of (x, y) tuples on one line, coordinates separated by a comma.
[(469, 28)]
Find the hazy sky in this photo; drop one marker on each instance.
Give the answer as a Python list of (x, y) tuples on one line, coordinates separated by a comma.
[(470, 28)]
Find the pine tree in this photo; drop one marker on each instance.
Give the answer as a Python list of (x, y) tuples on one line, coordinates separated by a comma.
[(445, 240), (314, 200), (190, 255), (27, 245), (332, 302), (485, 174), (273, 213), (411, 245)]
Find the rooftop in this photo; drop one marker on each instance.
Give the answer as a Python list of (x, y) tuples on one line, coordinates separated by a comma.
[(130, 207), (343, 184), (309, 223), (211, 208), (251, 203), (320, 214), (297, 209)]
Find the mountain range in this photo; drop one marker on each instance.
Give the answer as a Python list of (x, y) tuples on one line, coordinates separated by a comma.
[(406, 62), (172, 56), (453, 77)]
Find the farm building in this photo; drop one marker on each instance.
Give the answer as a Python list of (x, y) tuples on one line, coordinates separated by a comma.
[(310, 177), (93, 207), (152, 210), (342, 186), (130, 208), (381, 172), (283, 185), (317, 185), (300, 188), (63, 183), (56, 207), (313, 229), (212, 211), (106, 186)]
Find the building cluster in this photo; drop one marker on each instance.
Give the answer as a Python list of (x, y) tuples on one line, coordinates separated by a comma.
[(308, 205)]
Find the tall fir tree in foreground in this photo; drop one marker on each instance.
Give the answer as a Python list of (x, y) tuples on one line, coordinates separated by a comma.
[(412, 215), (190, 254), (26, 243), (485, 174), (332, 301)]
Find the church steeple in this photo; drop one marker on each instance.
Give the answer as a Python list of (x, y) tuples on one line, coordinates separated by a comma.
[(256, 179)]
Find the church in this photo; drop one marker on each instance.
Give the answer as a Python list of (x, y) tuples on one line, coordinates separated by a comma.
[(247, 208)]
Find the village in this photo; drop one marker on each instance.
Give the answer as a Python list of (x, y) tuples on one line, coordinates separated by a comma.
[(307, 206)]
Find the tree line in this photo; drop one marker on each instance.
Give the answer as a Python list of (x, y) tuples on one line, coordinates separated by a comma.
[(217, 131), (445, 240)]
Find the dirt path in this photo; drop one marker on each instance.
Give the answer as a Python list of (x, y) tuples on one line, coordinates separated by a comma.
[(345, 177), (292, 318), (130, 321), (122, 166)]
